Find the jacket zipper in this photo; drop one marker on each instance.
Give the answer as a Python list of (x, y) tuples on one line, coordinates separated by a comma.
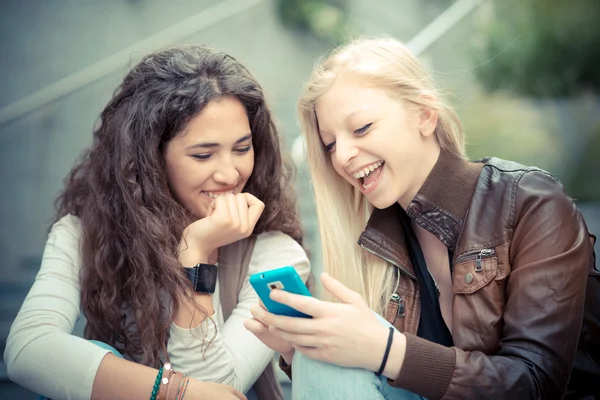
[(398, 300), (479, 256), (375, 253)]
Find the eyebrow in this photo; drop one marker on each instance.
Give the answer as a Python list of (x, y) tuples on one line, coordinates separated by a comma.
[(208, 145), (346, 118)]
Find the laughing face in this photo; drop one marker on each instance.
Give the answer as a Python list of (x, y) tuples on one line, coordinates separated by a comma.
[(213, 156), (377, 143)]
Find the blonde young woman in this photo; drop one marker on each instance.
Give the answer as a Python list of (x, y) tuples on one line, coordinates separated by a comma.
[(481, 267)]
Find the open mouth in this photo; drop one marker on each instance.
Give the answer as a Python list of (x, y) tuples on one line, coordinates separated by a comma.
[(369, 174)]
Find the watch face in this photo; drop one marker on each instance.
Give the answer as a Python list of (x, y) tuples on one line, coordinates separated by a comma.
[(207, 274), (206, 278)]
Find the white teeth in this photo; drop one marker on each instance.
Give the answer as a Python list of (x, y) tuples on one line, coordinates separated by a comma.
[(214, 195), (367, 170)]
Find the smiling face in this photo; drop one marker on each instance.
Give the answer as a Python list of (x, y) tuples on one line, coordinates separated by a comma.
[(377, 143), (212, 156)]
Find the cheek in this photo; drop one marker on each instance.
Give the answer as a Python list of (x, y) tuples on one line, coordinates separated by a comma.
[(342, 172), (246, 167)]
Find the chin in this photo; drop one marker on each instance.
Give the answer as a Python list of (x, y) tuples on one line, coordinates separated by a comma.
[(381, 203)]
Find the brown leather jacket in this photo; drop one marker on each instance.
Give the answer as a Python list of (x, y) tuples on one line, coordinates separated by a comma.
[(522, 257)]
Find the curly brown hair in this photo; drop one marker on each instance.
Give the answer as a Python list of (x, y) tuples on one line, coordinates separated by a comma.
[(131, 222)]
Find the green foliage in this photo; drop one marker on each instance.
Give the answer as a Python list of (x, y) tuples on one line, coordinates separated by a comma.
[(542, 48), (326, 19), (584, 182)]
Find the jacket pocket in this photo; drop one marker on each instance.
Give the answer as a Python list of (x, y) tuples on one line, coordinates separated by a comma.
[(478, 289), (473, 271)]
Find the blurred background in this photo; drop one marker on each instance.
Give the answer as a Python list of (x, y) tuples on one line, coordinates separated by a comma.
[(523, 75)]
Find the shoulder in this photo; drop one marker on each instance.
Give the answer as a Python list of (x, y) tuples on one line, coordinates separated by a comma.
[(66, 230), (521, 184), (276, 249), (274, 239), (538, 200)]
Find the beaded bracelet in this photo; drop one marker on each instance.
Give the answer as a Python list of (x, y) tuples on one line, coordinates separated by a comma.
[(156, 384), (164, 382)]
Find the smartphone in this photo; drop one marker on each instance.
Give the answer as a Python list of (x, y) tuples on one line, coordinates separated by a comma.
[(285, 278)]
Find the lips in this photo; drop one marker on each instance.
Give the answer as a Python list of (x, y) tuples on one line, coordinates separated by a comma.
[(214, 195), (370, 179), (366, 171)]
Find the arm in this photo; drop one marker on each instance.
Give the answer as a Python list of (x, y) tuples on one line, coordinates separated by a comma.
[(41, 333), (235, 356), (43, 356), (550, 256), (250, 355)]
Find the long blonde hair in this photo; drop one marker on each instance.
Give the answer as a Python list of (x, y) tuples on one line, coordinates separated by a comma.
[(343, 210)]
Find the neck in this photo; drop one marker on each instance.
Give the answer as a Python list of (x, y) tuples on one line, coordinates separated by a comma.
[(429, 161)]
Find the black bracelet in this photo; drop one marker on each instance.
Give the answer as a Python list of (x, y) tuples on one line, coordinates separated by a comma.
[(387, 351)]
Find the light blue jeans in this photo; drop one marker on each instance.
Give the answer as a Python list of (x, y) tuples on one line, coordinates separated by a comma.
[(316, 380)]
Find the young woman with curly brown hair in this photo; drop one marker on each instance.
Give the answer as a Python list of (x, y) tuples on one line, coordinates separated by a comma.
[(184, 182)]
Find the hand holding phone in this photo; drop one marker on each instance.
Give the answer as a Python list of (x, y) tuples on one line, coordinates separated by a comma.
[(285, 278)]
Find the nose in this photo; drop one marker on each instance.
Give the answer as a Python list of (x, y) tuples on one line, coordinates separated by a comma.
[(227, 173), (345, 151)]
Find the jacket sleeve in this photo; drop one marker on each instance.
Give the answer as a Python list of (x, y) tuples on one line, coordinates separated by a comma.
[(550, 256)]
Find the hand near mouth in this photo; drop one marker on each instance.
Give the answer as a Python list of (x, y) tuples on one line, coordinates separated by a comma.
[(229, 218)]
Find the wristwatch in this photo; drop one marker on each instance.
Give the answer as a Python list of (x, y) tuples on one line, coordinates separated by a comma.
[(203, 277)]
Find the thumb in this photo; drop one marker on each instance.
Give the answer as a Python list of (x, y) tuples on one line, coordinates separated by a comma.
[(341, 292)]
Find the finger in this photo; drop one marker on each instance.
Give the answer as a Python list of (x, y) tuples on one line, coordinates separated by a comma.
[(211, 208), (258, 312), (296, 339), (255, 326), (251, 199), (306, 304), (255, 209), (239, 395), (234, 213), (221, 208), (341, 292), (290, 324), (310, 352), (242, 206)]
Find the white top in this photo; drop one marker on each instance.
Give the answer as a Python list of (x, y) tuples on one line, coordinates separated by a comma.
[(43, 355)]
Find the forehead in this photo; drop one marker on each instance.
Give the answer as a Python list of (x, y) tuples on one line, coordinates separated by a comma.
[(221, 117), (349, 95)]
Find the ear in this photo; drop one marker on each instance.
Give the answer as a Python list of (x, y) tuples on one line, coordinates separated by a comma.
[(428, 119)]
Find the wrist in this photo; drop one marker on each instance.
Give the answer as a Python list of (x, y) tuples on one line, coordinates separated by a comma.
[(396, 356), (190, 257)]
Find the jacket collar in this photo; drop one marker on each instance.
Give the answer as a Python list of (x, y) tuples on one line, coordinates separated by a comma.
[(440, 207)]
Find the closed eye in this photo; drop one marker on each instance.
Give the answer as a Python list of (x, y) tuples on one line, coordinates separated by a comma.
[(202, 156), (242, 150), (363, 130), (329, 147)]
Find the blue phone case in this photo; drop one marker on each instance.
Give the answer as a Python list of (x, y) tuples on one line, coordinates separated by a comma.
[(285, 278)]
